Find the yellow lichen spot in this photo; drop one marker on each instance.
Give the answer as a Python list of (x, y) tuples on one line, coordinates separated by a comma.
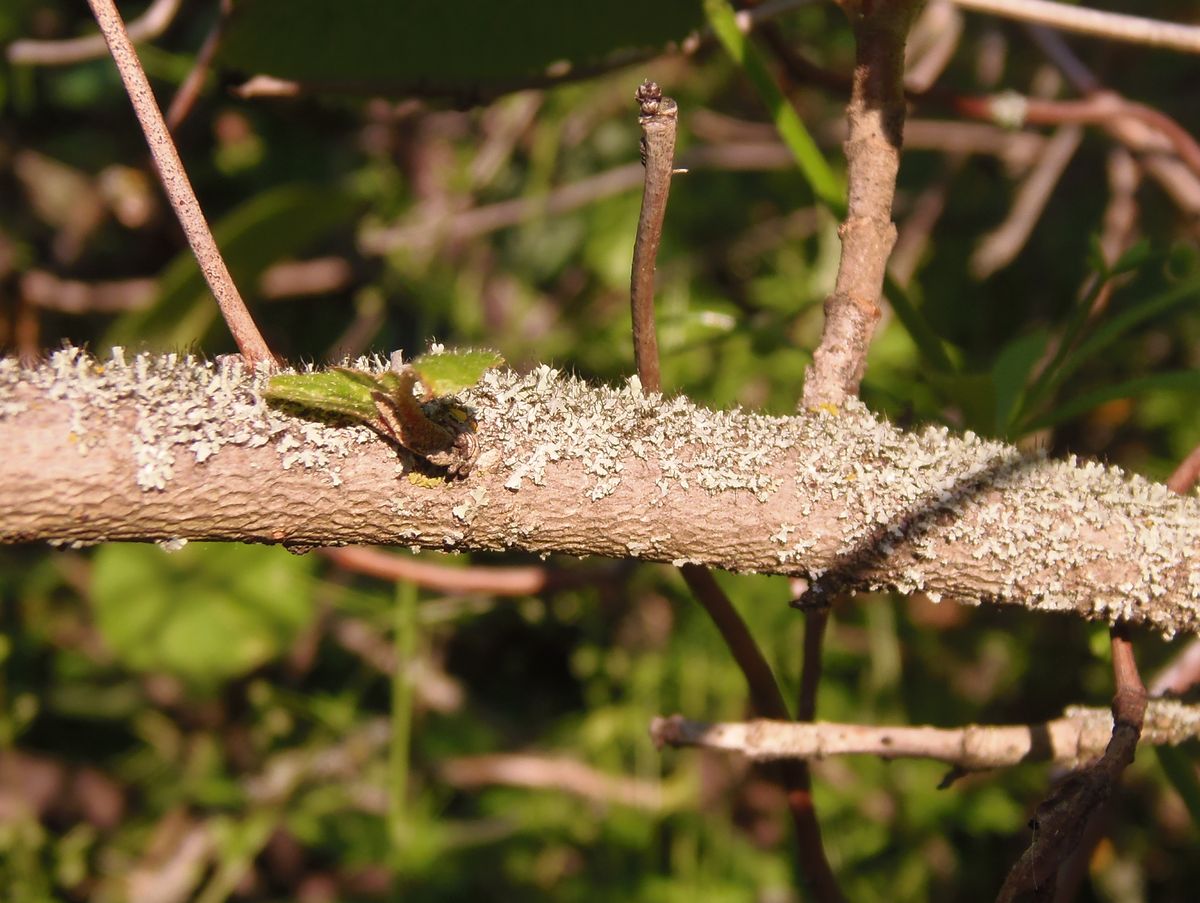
[(72, 438), (829, 408), (419, 479)]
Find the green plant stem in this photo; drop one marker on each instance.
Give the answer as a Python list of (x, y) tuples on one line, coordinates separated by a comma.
[(821, 178)]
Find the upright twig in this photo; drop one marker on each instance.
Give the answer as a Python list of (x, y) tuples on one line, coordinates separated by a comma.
[(177, 186), (658, 119), (875, 119), (768, 702)]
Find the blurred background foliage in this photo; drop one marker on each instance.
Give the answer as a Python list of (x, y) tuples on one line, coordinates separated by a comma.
[(221, 722)]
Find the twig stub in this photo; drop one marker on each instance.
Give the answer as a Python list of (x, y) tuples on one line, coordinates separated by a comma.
[(658, 119)]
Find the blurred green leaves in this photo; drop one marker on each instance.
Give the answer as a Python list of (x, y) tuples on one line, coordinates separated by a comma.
[(270, 226), (206, 613)]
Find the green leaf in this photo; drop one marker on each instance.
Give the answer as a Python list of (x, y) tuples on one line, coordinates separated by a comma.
[(207, 613), (1133, 259), (1174, 381), (1109, 332), (459, 47), (453, 371), (1010, 373), (342, 392), (273, 225), (824, 182)]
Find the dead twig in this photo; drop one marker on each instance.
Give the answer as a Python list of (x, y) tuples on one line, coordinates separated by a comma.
[(658, 119), (1093, 22), (178, 188), (1000, 247), (1080, 736), (188, 92), (543, 772), (146, 27)]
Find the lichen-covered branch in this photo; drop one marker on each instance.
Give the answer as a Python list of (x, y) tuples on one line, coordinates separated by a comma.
[(1075, 739), (163, 448)]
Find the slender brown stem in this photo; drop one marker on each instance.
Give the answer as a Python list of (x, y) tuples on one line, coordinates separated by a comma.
[(768, 701), (149, 25), (815, 622), (658, 119), (177, 186), (185, 98)]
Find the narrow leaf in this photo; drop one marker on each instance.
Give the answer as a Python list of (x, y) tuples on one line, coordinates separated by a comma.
[(824, 183), (1010, 373), (453, 371), (1123, 322), (1179, 379), (330, 391)]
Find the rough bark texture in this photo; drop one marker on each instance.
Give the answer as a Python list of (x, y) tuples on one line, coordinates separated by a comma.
[(166, 448), (875, 126)]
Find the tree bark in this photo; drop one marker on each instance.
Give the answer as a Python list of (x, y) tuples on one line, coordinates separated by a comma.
[(167, 448)]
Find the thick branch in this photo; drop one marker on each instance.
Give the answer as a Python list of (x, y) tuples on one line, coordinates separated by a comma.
[(165, 448)]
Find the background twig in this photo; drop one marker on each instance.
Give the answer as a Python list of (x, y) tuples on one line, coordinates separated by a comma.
[(179, 189)]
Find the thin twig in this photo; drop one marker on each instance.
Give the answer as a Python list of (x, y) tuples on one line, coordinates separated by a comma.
[(543, 772), (1112, 26), (146, 27), (875, 118), (1147, 143), (1099, 108), (768, 702), (179, 189), (998, 248), (188, 92), (506, 581), (1079, 737), (658, 119)]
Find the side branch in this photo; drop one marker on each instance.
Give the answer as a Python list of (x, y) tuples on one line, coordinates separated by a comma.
[(166, 447), (875, 123)]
